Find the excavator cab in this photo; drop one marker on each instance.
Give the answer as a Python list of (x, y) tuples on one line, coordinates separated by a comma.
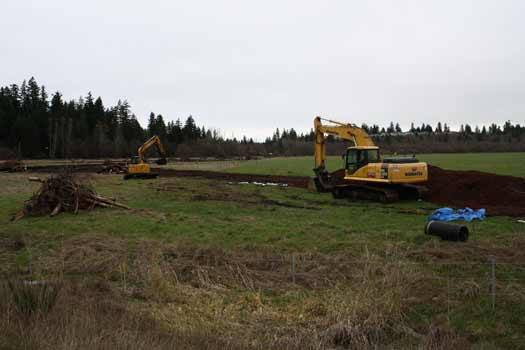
[(357, 157), (160, 161)]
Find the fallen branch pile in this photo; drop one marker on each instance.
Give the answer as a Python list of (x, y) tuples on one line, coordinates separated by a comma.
[(63, 193)]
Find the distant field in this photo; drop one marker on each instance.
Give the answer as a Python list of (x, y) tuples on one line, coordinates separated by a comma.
[(297, 166), (498, 163)]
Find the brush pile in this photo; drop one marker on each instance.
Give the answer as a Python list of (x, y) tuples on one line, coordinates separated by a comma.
[(63, 193)]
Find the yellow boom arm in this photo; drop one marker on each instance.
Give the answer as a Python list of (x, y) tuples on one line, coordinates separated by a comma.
[(349, 132), (153, 141)]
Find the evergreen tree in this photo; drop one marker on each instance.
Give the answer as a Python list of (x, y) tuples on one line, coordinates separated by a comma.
[(189, 131), (160, 127), (439, 129), (398, 128)]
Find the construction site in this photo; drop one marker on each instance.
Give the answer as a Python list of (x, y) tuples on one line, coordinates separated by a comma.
[(161, 253), (253, 175)]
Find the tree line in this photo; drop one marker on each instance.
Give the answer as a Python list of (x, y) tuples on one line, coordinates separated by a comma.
[(32, 124)]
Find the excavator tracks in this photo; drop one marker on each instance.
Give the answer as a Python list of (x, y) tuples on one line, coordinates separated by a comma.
[(383, 194)]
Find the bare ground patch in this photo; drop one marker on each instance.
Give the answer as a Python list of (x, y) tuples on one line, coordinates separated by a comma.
[(224, 193)]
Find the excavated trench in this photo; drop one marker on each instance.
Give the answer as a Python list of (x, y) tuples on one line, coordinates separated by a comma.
[(498, 194), (294, 181)]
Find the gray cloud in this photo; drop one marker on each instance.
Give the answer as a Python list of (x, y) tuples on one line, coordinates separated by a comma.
[(248, 67)]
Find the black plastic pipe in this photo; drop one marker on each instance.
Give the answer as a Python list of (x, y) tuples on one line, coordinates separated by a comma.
[(447, 231)]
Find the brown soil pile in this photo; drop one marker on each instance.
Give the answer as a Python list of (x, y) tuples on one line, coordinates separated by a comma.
[(498, 194)]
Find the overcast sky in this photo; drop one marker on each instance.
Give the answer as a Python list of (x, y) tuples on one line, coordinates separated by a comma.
[(247, 67)]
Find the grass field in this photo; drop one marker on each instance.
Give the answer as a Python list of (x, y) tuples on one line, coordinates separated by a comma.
[(204, 264), (498, 163)]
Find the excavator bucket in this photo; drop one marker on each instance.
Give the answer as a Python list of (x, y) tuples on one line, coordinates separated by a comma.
[(321, 182), (161, 161)]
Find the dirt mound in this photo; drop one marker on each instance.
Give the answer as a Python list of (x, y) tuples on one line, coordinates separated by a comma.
[(500, 195)]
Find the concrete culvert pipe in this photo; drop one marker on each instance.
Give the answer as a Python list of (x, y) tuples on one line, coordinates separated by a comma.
[(447, 231)]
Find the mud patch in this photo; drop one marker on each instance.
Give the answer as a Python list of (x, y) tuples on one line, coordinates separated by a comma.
[(226, 194), (294, 181)]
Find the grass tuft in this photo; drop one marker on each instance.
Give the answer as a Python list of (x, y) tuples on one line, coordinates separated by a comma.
[(32, 297)]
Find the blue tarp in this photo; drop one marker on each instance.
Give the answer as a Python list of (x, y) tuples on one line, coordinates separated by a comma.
[(449, 214)]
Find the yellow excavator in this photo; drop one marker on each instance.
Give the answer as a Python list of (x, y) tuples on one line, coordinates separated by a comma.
[(366, 174), (139, 168)]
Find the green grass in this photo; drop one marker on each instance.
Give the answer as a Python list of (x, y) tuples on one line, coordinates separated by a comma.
[(247, 218), (295, 166), (212, 213), (497, 163)]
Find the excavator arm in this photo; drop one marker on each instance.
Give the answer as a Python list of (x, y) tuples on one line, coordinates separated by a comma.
[(349, 132), (153, 141)]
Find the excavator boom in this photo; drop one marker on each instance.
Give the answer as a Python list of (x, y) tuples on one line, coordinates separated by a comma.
[(153, 141), (349, 132)]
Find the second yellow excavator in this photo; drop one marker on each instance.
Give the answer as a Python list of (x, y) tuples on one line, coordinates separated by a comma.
[(366, 174), (139, 168)]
